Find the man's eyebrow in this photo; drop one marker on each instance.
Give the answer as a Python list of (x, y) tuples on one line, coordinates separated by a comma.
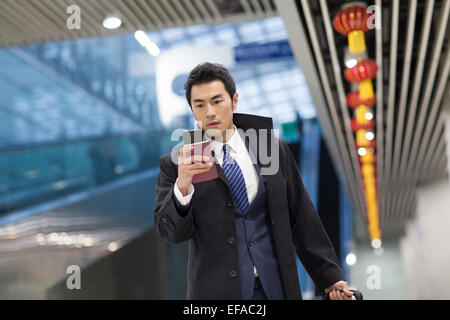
[(220, 95)]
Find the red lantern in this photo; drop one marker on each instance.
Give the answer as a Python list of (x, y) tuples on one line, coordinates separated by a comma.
[(352, 22), (364, 70), (354, 100), (351, 19), (357, 126)]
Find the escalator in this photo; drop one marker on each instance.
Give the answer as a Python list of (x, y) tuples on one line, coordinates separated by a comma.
[(101, 203), (79, 152)]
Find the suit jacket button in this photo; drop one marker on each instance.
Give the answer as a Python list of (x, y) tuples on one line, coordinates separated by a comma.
[(233, 273), (231, 240), (229, 204), (164, 220), (250, 244)]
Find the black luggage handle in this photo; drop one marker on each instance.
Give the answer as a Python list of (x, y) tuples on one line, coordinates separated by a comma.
[(356, 293)]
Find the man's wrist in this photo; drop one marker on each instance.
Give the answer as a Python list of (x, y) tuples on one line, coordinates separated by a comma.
[(183, 198), (183, 190)]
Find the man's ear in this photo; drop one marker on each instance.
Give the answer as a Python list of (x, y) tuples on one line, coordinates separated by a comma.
[(235, 100)]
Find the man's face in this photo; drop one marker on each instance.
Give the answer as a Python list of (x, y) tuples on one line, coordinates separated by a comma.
[(213, 107)]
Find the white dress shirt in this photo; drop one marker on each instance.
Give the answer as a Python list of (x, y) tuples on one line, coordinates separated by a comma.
[(240, 154)]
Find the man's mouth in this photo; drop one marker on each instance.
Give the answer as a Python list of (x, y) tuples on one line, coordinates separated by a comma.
[(213, 124)]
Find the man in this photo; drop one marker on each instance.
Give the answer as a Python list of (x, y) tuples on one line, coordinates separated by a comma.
[(244, 227)]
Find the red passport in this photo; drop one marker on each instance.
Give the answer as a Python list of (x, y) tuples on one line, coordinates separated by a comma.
[(204, 148)]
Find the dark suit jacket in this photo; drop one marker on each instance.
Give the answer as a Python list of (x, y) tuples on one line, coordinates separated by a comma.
[(208, 223)]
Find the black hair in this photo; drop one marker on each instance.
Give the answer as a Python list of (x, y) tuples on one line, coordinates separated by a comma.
[(208, 72)]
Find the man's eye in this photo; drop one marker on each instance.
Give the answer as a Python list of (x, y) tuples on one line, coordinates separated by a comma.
[(217, 101), (199, 106)]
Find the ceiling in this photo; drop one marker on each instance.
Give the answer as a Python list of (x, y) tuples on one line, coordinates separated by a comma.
[(25, 21), (414, 65)]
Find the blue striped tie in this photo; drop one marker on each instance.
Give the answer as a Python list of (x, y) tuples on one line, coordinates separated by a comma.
[(235, 179)]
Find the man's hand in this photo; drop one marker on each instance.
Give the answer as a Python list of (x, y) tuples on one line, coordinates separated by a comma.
[(339, 291), (189, 166)]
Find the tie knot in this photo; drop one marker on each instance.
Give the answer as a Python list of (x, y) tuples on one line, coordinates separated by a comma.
[(226, 149), (226, 153)]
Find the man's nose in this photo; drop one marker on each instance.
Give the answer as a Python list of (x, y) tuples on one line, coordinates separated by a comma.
[(210, 112)]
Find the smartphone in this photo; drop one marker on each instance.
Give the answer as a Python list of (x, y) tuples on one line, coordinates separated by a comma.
[(200, 147)]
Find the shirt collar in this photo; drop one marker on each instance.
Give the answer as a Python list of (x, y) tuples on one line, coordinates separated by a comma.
[(233, 142)]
